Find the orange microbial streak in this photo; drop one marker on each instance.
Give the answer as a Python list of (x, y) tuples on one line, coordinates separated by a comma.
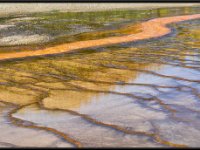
[(151, 29)]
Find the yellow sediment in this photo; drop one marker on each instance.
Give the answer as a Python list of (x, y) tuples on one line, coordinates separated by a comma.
[(151, 29)]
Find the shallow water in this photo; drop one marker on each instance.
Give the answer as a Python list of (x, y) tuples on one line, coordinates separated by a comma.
[(143, 94)]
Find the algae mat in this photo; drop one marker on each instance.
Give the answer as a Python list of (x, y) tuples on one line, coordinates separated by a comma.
[(126, 94)]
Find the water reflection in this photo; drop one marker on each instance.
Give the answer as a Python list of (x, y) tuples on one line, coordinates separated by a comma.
[(135, 94)]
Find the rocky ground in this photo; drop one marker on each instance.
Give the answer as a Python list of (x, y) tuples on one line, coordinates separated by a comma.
[(13, 8)]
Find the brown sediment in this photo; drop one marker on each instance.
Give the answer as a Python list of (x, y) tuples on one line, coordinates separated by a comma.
[(159, 62), (153, 98), (154, 136), (84, 89), (74, 86), (28, 124), (151, 29), (160, 140), (64, 79), (152, 72)]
